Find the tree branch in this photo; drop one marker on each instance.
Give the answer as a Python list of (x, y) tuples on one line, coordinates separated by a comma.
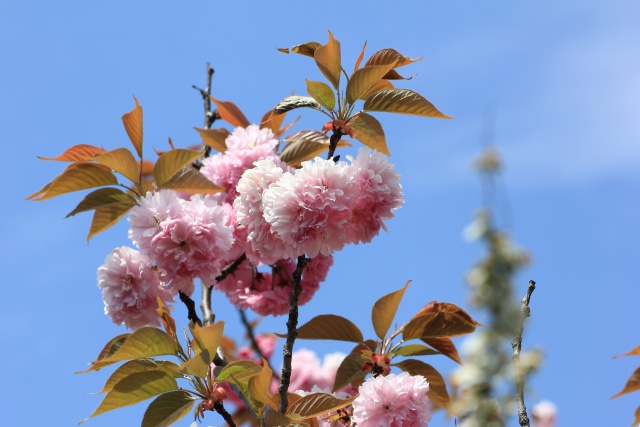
[(219, 408), (205, 305), (333, 143), (516, 345), (191, 307), (292, 333)]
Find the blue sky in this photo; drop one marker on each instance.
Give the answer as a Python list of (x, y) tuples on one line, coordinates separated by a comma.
[(561, 81)]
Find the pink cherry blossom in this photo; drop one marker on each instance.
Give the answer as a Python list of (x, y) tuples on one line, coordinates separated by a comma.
[(392, 401), (130, 289), (379, 194), (146, 218), (244, 147), (263, 246), (544, 414), (307, 372), (310, 208)]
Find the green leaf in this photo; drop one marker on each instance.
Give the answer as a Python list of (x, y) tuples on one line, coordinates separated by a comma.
[(414, 350), (316, 404), (402, 101), (106, 216), (198, 365), (258, 388), (328, 60), (633, 384), (77, 176), (135, 388), (293, 102), (437, 389), (167, 409), (112, 346), (445, 346), (133, 125), (306, 145), (190, 180), (122, 161), (364, 79), (329, 327), (322, 93), (102, 198), (230, 113), (368, 130), (239, 372), (171, 162), (214, 138), (139, 365), (208, 337), (384, 311), (144, 342), (77, 153)]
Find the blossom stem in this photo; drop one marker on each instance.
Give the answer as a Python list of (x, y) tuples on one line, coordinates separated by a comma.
[(516, 345), (292, 333)]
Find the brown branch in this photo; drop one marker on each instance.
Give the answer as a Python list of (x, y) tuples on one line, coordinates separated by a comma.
[(292, 333), (333, 142), (250, 333), (191, 308), (516, 345), (219, 408), (205, 304)]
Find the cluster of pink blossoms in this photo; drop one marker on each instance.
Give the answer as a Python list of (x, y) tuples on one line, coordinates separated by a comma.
[(392, 401), (318, 208), (131, 288)]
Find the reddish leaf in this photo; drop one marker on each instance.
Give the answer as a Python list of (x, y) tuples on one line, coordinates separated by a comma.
[(122, 161), (305, 145), (444, 346), (322, 93), (171, 162), (368, 130), (633, 384), (402, 101), (272, 121), (102, 198), (437, 389), (306, 49), (147, 167), (364, 79), (214, 138), (231, 113), (77, 153), (350, 370), (77, 176), (316, 404), (437, 325), (384, 310), (389, 56), (329, 327), (190, 180), (377, 87), (360, 57), (637, 419), (328, 60), (107, 216), (634, 352), (133, 125)]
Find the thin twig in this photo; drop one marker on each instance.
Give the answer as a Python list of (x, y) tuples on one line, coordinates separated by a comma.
[(205, 305), (219, 408), (292, 333), (516, 345), (191, 308), (252, 335)]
